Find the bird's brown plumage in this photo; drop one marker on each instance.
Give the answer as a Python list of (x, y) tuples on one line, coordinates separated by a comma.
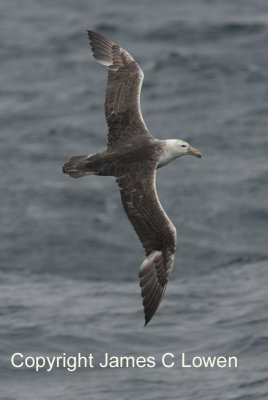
[(132, 156), (155, 231), (122, 102)]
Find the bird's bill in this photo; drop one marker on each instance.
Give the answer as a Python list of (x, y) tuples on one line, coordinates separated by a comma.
[(194, 152)]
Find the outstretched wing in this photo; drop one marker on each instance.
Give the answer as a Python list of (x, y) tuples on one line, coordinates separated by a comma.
[(155, 231), (122, 103)]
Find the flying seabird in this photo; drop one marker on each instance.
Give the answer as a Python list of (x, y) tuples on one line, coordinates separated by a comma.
[(132, 157)]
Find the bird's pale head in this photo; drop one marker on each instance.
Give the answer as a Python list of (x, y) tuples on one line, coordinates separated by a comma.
[(185, 149), (174, 148)]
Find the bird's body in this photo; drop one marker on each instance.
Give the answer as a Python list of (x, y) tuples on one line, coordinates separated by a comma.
[(132, 157)]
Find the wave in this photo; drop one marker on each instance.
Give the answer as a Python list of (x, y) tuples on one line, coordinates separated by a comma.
[(183, 31), (192, 62)]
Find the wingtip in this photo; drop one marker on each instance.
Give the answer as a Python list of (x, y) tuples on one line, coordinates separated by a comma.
[(89, 33), (146, 322), (147, 318), (154, 273)]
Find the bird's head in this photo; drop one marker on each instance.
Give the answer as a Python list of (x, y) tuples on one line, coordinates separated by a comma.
[(183, 148), (174, 148)]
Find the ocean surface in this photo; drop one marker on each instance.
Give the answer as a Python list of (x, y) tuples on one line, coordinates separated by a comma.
[(69, 258)]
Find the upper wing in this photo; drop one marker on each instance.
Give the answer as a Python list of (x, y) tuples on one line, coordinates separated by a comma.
[(122, 103), (155, 231)]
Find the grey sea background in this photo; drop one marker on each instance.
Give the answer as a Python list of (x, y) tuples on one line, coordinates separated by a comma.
[(69, 258)]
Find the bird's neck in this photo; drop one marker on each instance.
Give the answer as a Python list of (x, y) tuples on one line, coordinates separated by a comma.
[(169, 153)]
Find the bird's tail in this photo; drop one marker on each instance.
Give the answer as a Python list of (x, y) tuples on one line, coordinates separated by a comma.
[(77, 167)]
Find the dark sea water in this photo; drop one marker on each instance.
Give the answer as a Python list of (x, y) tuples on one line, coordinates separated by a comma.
[(69, 258)]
